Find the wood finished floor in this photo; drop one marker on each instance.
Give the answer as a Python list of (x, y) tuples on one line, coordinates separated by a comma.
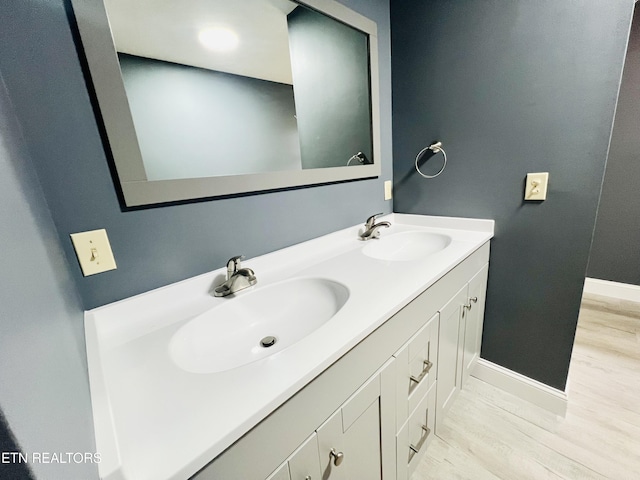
[(492, 435)]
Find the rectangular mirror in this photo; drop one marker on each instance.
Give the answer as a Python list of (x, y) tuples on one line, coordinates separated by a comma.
[(215, 97)]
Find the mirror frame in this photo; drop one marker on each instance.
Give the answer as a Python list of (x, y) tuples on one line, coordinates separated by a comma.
[(101, 56)]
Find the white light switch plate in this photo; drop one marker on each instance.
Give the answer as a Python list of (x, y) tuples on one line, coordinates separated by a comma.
[(536, 186), (388, 190), (93, 251)]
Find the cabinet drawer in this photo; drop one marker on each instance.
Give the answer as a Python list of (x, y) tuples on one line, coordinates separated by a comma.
[(416, 368), (415, 435)]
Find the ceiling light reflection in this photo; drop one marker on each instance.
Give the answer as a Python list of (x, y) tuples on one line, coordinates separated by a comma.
[(219, 39)]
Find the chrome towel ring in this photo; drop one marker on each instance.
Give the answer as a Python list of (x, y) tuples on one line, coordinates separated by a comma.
[(435, 148)]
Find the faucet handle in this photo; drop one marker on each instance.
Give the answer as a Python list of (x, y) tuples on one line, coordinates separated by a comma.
[(233, 264), (371, 220)]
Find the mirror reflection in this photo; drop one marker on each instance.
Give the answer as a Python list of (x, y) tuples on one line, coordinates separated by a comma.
[(219, 88)]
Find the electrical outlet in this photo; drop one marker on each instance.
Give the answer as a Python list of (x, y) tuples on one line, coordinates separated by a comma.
[(536, 186), (93, 251), (388, 190)]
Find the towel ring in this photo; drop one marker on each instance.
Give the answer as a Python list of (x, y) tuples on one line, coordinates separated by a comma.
[(360, 157), (435, 148)]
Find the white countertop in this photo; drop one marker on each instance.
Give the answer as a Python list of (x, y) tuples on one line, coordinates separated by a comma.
[(155, 421)]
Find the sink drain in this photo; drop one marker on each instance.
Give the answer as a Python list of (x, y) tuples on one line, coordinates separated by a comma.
[(269, 341)]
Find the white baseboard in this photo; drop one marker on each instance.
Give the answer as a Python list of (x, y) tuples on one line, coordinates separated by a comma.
[(523, 387), (621, 291)]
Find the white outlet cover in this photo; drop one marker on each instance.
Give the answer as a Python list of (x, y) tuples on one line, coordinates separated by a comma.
[(536, 186), (93, 251)]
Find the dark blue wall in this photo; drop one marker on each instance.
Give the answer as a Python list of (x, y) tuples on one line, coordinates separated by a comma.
[(154, 247), (615, 253), (510, 87)]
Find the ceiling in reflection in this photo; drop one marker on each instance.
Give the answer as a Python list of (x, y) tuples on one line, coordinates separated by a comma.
[(169, 31)]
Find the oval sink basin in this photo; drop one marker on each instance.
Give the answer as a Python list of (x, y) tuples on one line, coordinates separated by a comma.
[(256, 324), (406, 246)]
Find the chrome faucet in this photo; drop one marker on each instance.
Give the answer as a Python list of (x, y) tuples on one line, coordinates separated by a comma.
[(237, 278), (372, 229)]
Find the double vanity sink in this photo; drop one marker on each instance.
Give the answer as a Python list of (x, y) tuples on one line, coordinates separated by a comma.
[(178, 375), (267, 320)]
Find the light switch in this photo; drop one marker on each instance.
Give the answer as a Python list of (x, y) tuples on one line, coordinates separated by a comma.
[(388, 190), (93, 251), (536, 186)]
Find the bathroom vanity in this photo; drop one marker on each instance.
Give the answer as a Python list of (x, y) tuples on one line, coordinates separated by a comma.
[(373, 342), (335, 358)]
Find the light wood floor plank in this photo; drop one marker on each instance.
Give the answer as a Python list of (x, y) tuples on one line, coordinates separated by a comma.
[(490, 434)]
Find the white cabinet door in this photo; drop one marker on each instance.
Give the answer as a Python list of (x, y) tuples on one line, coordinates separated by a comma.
[(474, 319), (281, 473), (450, 348), (304, 464), (354, 452), (357, 441)]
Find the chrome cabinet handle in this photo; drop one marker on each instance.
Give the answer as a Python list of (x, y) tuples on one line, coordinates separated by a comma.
[(416, 448), (468, 306), (427, 367), (308, 477), (338, 457)]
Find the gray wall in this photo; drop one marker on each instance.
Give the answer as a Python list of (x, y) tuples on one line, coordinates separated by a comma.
[(192, 122), (156, 246), (510, 87), (44, 389), (331, 91), (615, 253)]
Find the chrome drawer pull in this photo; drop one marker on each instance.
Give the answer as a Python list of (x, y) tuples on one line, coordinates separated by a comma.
[(416, 448), (423, 373)]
